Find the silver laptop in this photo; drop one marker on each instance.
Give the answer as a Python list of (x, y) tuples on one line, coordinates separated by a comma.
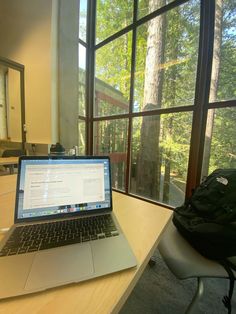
[(65, 230)]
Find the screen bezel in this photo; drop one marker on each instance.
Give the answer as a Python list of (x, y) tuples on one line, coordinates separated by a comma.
[(61, 215)]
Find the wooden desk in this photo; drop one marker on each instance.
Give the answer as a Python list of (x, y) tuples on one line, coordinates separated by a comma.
[(7, 184), (142, 223), (9, 161)]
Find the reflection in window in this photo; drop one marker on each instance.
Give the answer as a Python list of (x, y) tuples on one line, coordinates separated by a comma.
[(159, 161), (110, 138), (166, 60), (112, 83)]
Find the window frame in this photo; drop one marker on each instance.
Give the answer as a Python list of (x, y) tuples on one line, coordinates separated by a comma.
[(202, 88)]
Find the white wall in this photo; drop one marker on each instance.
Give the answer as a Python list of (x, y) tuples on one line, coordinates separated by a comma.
[(25, 37)]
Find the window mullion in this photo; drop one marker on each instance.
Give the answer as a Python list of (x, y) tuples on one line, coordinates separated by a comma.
[(203, 79), (90, 67)]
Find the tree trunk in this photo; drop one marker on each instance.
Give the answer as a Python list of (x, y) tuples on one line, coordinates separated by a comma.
[(154, 58), (213, 86), (166, 186), (148, 160), (170, 97)]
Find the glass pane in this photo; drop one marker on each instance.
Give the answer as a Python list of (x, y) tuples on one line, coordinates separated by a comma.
[(224, 53), (166, 59), (145, 7), (159, 158), (82, 137), (82, 19), (112, 16), (82, 79), (82, 57), (110, 138), (220, 140), (112, 77)]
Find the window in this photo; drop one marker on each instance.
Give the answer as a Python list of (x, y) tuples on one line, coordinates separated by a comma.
[(146, 7), (82, 82), (159, 159), (166, 60), (220, 135), (163, 93), (110, 138), (112, 16), (112, 77)]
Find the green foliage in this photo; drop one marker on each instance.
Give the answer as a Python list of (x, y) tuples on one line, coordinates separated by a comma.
[(226, 87), (181, 37), (113, 62), (112, 16), (223, 146)]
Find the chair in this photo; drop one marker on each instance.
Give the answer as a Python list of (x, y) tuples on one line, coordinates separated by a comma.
[(185, 262), (13, 153)]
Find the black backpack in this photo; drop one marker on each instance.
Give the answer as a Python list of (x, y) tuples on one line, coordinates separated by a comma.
[(208, 221)]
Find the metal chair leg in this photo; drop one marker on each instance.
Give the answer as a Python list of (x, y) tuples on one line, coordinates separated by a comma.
[(193, 306), (152, 261)]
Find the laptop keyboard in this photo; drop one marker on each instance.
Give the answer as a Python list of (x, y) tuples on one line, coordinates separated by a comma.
[(49, 235)]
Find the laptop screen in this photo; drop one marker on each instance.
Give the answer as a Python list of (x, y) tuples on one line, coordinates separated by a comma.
[(50, 187)]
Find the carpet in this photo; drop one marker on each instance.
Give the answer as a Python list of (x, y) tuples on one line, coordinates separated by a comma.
[(159, 291)]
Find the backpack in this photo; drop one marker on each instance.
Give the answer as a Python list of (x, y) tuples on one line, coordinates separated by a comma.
[(207, 220)]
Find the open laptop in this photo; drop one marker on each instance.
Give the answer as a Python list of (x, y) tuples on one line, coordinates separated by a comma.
[(64, 230)]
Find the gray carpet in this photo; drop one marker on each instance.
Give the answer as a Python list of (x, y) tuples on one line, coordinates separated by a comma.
[(159, 292)]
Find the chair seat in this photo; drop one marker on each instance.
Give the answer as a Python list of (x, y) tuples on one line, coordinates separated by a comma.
[(183, 260)]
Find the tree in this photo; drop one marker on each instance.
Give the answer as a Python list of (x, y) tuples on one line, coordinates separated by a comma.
[(169, 81), (148, 161), (113, 64), (165, 77), (172, 53)]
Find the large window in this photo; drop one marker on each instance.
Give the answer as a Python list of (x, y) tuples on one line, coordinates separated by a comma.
[(157, 92), (82, 72), (220, 135)]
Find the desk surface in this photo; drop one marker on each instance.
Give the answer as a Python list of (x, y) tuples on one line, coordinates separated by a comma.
[(142, 223), (8, 160), (7, 184)]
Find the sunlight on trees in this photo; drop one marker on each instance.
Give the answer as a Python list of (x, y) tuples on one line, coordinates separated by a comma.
[(164, 78)]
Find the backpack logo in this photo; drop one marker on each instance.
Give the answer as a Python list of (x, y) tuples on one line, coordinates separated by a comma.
[(222, 180)]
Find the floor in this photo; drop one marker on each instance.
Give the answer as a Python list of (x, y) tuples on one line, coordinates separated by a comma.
[(159, 291)]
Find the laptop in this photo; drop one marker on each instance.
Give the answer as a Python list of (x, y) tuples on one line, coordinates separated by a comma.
[(64, 228)]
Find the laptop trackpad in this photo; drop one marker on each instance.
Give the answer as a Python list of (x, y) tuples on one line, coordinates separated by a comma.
[(59, 266)]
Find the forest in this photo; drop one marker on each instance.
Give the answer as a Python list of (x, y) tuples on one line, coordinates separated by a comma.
[(164, 60)]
